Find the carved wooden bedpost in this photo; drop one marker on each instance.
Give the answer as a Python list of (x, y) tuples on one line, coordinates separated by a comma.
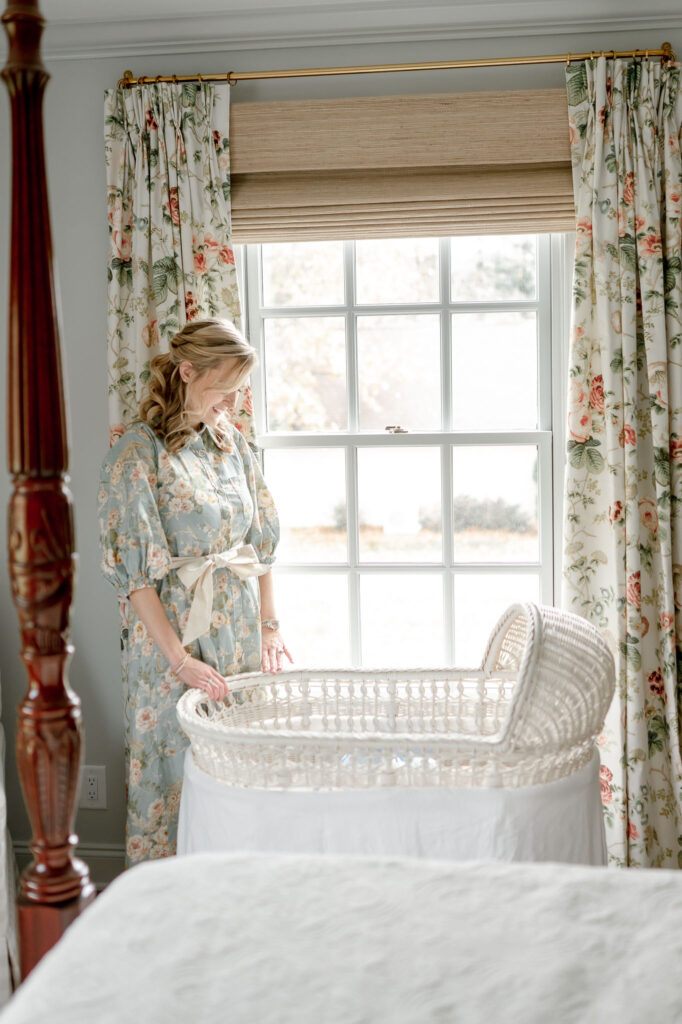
[(55, 886)]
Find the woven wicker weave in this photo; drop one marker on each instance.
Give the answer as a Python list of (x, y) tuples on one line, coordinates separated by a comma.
[(529, 715)]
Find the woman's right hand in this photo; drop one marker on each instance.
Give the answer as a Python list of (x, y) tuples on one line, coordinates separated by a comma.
[(201, 676)]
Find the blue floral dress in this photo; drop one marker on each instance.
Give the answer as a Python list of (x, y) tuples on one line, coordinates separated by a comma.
[(154, 506)]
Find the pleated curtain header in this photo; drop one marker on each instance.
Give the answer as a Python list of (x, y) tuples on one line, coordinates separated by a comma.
[(456, 164)]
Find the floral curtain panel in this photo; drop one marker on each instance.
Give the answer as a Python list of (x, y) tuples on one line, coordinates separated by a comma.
[(623, 531), (170, 252)]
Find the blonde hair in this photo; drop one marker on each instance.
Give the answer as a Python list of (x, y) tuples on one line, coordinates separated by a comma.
[(205, 344)]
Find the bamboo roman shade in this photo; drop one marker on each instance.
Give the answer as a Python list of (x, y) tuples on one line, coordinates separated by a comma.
[(467, 163)]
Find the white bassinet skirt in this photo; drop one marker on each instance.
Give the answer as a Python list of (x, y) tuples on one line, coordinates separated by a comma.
[(556, 821)]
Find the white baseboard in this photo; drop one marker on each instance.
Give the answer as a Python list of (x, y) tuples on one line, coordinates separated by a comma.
[(105, 860)]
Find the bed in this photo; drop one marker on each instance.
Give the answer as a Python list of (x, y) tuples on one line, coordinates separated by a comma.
[(272, 939), (262, 938)]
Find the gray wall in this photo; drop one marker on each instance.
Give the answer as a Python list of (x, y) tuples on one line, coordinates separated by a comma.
[(73, 113)]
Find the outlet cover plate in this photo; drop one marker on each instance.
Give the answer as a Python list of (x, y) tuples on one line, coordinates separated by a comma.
[(93, 787)]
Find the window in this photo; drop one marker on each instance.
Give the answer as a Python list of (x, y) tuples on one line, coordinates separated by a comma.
[(407, 408)]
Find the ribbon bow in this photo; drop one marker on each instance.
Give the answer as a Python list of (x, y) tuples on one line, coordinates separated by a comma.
[(197, 573)]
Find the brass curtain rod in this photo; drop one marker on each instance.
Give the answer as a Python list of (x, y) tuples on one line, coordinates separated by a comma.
[(666, 53)]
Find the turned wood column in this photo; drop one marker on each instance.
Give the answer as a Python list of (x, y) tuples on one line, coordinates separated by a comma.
[(55, 886)]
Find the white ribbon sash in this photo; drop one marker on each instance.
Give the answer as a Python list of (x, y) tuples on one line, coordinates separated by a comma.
[(197, 572)]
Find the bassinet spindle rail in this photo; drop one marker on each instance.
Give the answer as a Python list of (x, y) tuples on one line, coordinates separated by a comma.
[(528, 716)]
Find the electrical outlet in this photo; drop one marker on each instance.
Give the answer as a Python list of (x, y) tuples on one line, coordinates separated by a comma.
[(93, 788)]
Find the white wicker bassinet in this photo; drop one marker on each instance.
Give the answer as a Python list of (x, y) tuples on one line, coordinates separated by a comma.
[(529, 715)]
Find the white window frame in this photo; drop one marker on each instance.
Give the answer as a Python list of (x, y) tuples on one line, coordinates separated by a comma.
[(552, 305)]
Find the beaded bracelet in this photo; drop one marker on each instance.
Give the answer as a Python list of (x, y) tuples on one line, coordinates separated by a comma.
[(179, 667)]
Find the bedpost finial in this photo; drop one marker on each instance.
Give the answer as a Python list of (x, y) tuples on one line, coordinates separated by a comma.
[(23, 24)]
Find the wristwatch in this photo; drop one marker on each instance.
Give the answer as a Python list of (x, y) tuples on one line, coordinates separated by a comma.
[(270, 623)]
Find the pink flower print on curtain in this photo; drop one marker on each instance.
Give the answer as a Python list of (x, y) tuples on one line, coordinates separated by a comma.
[(623, 531), (170, 255)]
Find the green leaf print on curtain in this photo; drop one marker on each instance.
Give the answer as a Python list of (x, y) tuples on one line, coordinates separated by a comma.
[(170, 257), (623, 532)]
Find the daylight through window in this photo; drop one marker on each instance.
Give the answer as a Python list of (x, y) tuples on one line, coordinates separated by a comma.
[(404, 403)]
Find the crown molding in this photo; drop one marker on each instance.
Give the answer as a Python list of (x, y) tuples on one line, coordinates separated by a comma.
[(267, 25)]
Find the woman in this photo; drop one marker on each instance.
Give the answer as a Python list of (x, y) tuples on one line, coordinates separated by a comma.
[(181, 484)]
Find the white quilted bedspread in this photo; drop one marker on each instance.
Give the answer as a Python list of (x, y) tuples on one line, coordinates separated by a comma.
[(260, 939)]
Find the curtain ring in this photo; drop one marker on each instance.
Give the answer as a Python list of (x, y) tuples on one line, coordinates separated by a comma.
[(200, 80), (229, 78), (646, 55), (174, 79), (158, 79), (140, 80), (568, 60)]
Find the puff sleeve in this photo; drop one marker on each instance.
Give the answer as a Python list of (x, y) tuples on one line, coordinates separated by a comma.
[(264, 530), (133, 544)]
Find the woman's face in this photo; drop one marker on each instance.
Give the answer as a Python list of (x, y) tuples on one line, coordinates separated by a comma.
[(210, 394)]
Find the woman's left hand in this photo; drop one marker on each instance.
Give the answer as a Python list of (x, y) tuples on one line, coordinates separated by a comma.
[(273, 649)]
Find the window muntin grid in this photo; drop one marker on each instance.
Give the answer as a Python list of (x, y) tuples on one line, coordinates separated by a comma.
[(458, 577)]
